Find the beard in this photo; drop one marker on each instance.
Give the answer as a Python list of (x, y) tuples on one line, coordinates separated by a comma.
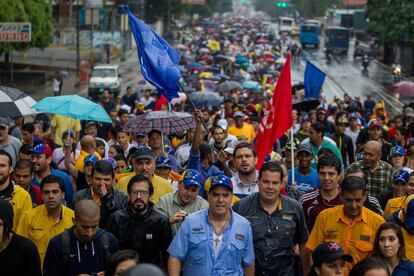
[(3, 179), (248, 171), (140, 208)]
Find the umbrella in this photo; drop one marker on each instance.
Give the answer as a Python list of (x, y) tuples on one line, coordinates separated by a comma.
[(242, 59), (206, 98), (164, 121), (194, 65), (404, 88), (306, 105), (14, 102), (73, 106), (229, 85), (252, 85)]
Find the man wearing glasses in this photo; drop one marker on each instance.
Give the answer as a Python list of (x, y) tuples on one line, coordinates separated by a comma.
[(139, 227)]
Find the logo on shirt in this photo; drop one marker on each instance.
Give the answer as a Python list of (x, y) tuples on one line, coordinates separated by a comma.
[(148, 236), (198, 230), (287, 217), (331, 234), (240, 237)]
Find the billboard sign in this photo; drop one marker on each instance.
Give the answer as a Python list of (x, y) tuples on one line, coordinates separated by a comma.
[(15, 32)]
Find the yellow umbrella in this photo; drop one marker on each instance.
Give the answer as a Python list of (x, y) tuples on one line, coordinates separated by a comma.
[(206, 75), (214, 45)]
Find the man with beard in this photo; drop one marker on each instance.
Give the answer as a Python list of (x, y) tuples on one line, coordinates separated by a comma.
[(377, 172), (214, 241), (41, 159), (139, 226), (177, 205), (49, 219), (143, 163), (14, 194), (201, 155), (9, 143), (102, 192), (245, 180), (82, 249)]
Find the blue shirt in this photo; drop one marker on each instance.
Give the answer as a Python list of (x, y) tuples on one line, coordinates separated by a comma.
[(193, 244), (194, 163), (404, 268), (305, 183), (66, 181)]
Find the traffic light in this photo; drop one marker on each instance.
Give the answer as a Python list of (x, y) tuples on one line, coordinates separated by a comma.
[(281, 4)]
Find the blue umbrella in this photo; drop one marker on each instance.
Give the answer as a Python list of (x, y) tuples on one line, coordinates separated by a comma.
[(242, 59), (252, 85), (73, 106)]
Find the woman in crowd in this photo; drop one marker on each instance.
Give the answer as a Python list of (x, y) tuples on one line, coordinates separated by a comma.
[(390, 247)]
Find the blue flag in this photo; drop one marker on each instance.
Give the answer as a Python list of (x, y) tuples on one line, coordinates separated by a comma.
[(314, 79), (159, 61)]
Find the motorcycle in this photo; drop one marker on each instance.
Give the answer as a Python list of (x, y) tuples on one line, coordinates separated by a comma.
[(328, 55), (396, 72), (365, 63)]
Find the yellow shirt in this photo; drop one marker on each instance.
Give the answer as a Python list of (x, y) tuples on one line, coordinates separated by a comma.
[(161, 186), (355, 239), (38, 227), (62, 123), (409, 244), (21, 201), (393, 205), (247, 130), (80, 164)]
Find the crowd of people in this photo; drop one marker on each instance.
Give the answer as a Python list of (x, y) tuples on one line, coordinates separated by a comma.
[(90, 198)]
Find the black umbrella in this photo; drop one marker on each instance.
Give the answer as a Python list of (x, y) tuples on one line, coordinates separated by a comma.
[(14, 102), (306, 105)]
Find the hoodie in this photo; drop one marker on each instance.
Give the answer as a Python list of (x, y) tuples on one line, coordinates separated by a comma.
[(84, 258)]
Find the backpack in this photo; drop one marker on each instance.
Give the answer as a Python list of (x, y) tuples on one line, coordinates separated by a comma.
[(65, 243)]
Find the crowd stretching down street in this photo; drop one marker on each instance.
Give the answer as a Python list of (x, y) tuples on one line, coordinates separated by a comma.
[(187, 185)]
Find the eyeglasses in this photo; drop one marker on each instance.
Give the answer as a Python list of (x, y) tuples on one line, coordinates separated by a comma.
[(142, 193)]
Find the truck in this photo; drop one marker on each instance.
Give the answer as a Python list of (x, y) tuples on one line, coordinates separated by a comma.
[(309, 35), (104, 77)]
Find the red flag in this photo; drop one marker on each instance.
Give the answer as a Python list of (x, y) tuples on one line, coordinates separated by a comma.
[(278, 115)]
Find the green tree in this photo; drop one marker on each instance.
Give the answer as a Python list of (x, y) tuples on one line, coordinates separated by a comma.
[(38, 12), (392, 21)]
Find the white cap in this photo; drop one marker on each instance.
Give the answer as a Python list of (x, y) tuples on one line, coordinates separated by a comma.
[(223, 124)]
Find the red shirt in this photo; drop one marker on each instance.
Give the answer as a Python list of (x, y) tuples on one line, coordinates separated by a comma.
[(313, 203)]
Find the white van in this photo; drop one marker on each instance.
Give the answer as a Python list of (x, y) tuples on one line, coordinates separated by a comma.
[(104, 77)]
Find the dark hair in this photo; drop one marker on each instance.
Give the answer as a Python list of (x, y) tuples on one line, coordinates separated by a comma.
[(376, 251), (140, 178), (25, 149), (128, 87), (24, 164), (271, 167), (325, 151), (29, 127), (154, 131), (318, 127), (5, 153), (366, 265), (205, 150), (352, 184), (99, 143), (120, 157), (103, 167), (52, 179), (122, 112), (118, 257), (244, 145), (215, 127), (119, 129), (118, 148), (402, 130), (339, 115), (330, 160)]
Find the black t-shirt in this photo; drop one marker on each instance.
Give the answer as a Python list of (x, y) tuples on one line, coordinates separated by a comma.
[(81, 181), (130, 101), (20, 258)]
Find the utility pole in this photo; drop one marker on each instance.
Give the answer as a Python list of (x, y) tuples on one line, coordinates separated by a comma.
[(77, 40)]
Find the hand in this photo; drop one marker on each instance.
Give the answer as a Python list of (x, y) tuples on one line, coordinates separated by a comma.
[(178, 217), (294, 185), (103, 190), (198, 115)]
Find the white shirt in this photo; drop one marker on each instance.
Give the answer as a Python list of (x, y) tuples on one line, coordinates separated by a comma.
[(58, 157)]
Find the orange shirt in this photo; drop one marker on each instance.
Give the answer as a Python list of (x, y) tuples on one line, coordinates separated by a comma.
[(355, 239), (394, 205)]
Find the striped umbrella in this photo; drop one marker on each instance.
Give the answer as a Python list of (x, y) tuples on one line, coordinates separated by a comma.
[(14, 102), (164, 121)]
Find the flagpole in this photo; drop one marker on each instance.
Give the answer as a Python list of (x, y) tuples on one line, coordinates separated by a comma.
[(192, 104), (292, 155)]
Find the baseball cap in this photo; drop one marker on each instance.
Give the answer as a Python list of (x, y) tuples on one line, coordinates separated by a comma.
[(374, 123), (90, 158), (397, 151), (223, 124), (141, 134), (238, 114), (4, 122), (400, 175), (143, 153), (42, 148), (218, 180), (89, 124), (408, 208), (68, 132), (111, 161), (305, 118), (328, 252), (360, 156), (353, 115), (162, 162), (191, 177), (305, 147)]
